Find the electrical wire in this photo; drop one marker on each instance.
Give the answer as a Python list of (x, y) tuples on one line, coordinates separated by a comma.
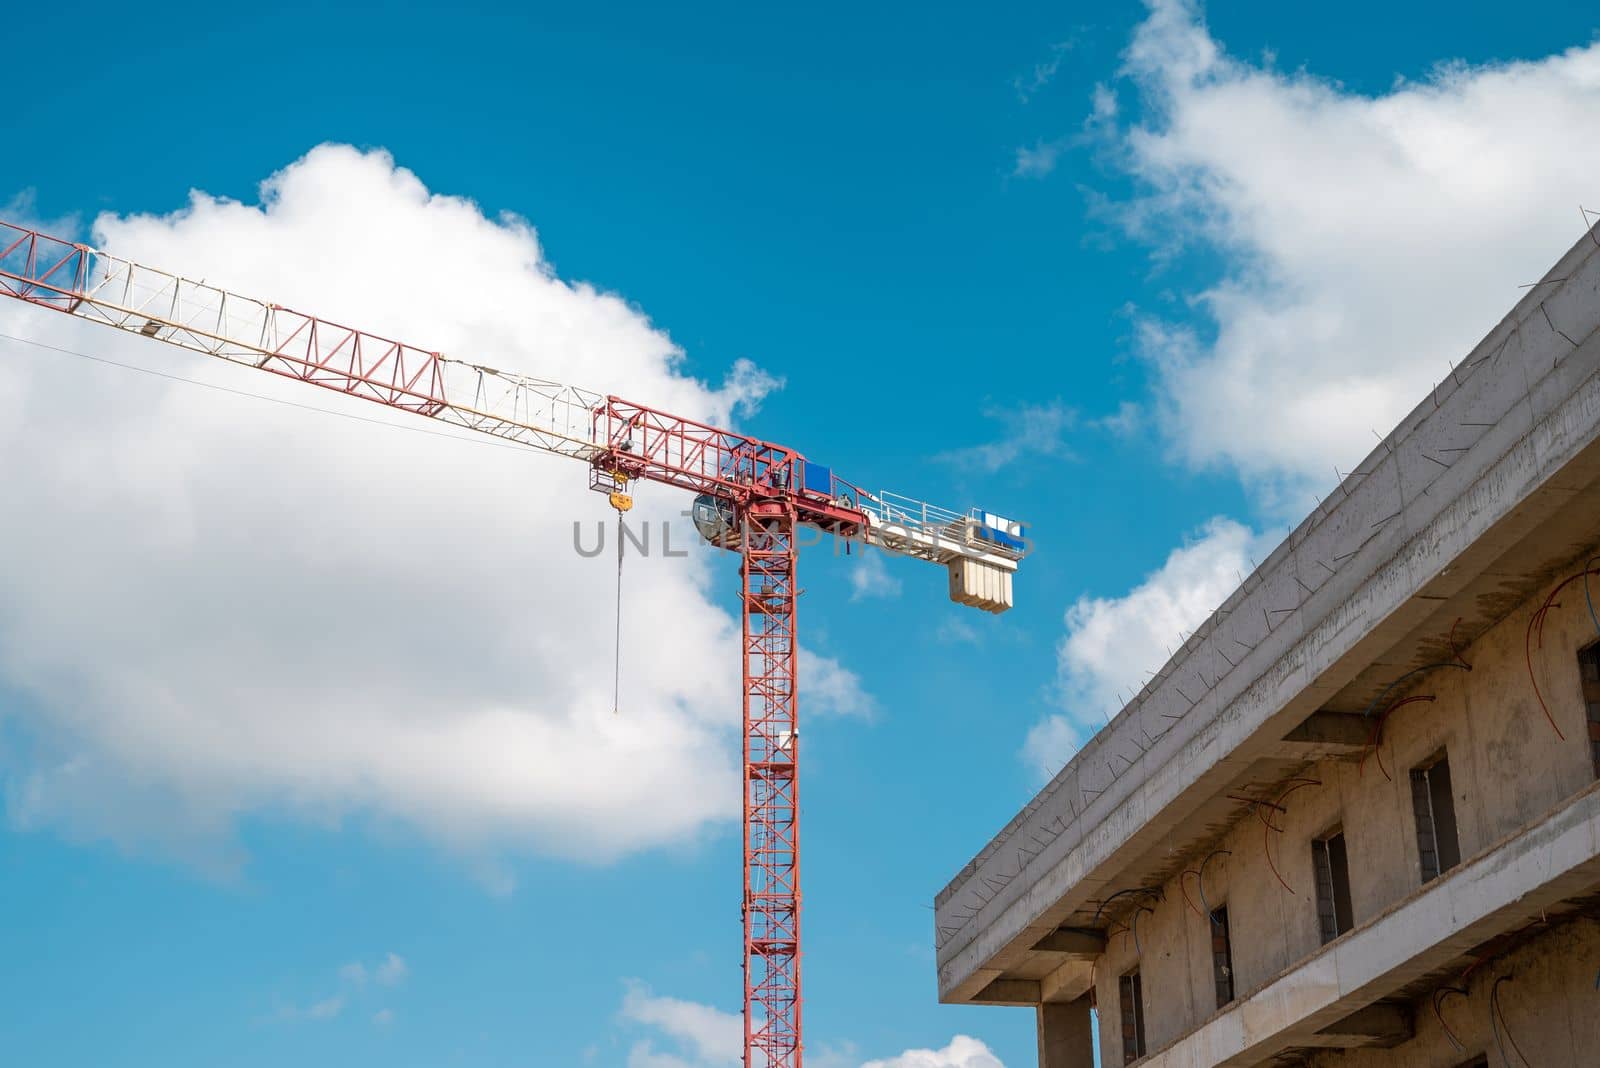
[(1504, 1028), (1457, 663), (1438, 1000), (1201, 883), (1137, 947), (1122, 893), (1587, 596)]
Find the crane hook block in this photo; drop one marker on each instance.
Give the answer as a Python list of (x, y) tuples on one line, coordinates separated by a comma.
[(621, 501)]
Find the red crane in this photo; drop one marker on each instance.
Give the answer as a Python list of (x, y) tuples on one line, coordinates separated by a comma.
[(752, 496)]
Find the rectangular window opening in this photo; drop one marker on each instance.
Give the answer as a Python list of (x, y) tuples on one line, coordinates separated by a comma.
[(1132, 1017), (1438, 845), (1332, 863), (1221, 956), (1589, 673)]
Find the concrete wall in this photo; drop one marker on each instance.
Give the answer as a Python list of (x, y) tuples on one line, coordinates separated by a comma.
[(1507, 767), (1548, 1008)]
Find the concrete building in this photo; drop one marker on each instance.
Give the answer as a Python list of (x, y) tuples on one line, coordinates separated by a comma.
[(1355, 819)]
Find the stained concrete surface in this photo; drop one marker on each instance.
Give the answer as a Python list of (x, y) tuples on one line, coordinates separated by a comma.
[(1508, 767)]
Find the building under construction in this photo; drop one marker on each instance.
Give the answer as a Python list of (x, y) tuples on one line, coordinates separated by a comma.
[(1355, 819)]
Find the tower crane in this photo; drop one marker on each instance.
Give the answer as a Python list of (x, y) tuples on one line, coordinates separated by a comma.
[(751, 496)]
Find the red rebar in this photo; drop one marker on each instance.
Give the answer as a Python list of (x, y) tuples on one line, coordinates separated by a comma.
[(1184, 888), (1536, 622), (1376, 738)]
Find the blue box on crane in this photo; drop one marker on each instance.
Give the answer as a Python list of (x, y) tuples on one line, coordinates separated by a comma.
[(816, 479), (1003, 532)]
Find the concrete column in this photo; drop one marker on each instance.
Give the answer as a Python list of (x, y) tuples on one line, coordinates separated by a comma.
[(1066, 1035)]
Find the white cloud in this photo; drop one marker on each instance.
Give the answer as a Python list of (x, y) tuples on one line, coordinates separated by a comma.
[(962, 1052), (353, 977), (391, 971), (1041, 73), (1127, 420), (645, 1055), (1113, 644), (701, 1036), (954, 630), (1051, 742), (709, 1035), (869, 577), (1368, 239), (1028, 432), (230, 606), (1038, 159), (326, 1009), (828, 688)]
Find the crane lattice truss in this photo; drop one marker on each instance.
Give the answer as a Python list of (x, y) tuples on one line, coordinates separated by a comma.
[(759, 494)]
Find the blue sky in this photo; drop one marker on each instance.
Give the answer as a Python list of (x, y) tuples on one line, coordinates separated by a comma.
[(1065, 263)]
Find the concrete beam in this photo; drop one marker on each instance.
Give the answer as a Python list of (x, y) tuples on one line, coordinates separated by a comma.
[(1383, 1024), (1343, 730), (1079, 943), (1066, 1035), (1009, 992), (1068, 982)]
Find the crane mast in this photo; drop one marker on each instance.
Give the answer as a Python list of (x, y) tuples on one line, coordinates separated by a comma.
[(752, 497)]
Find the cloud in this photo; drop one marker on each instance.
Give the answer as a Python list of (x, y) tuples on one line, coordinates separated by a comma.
[(1127, 420), (701, 1036), (1041, 74), (1030, 431), (232, 607), (869, 577), (326, 1009), (1038, 159), (391, 971), (1366, 239), (645, 1055), (953, 630), (830, 689), (962, 1052), (709, 1035), (1113, 644), (353, 978)]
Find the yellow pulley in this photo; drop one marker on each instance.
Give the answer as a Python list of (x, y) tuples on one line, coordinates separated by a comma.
[(621, 501)]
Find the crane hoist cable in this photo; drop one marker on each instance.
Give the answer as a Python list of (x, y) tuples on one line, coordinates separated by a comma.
[(621, 501)]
